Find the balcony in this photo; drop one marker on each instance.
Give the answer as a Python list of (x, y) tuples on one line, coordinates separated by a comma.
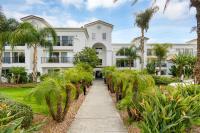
[(57, 60), (10, 60)]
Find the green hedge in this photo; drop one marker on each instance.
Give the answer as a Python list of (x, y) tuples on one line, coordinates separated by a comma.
[(16, 110), (162, 80)]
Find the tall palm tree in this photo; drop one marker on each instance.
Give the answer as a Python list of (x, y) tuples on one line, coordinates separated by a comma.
[(142, 21), (130, 53), (161, 53), (26, 33), (6, 27)]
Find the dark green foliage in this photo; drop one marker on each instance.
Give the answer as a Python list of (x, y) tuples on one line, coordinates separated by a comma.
[(17, 110), (87, 55), (173, 112), (174, 71), (18, 74), (162, 80), (151, 68), (184, 64)]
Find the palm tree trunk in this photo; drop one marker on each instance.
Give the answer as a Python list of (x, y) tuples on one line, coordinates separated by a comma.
[(59, 115), (197, 66), (160, 67), (35, 63), (78, 85), (1, 65), (142, 49), (67, 102), (50, 106)]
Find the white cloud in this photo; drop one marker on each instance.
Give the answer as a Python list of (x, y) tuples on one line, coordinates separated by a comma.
[(176, 9), (74, 23), (93, 4), (32, 2), (76, 3), (16, 15)]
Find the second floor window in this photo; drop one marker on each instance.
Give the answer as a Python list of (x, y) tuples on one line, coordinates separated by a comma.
[(67, 40), (14, 57), (58, 41), (104, 36)]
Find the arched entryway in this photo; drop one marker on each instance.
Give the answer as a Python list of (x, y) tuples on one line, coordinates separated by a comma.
[(101, 53)]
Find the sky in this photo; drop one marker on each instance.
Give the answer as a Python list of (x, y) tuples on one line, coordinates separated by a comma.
[(172, 26)]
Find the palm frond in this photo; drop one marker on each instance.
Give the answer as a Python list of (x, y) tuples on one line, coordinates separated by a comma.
[(143, 18), (25, 33)]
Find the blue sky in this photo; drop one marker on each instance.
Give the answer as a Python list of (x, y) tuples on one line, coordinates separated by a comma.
[(173, 26)]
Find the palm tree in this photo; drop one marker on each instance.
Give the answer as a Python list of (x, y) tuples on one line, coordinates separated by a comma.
[(181, 61), (142, 21), (161, 53), (6, 27), (27, 33), (130, 53), (51, 91)]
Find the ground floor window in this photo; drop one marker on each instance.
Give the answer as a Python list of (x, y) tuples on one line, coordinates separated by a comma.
[(124, 63)]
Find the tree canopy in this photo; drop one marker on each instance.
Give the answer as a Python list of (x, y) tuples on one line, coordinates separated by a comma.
[(88, 56)]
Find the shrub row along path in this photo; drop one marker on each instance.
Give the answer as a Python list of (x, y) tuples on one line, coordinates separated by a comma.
[(98, 114)]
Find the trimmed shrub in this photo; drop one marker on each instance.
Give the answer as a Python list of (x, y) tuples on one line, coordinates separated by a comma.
[(17, 110), (161, 80), (19, 74)]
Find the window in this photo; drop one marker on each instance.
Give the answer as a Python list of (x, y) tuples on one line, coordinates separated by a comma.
[(18, 57), (124, 63), (54, 57), (100, 62), (58, 41), (64, 58), (67, 40), (98, 51), (149, 52), (189, 51), (6, 58), (104, 36), (93, 36)]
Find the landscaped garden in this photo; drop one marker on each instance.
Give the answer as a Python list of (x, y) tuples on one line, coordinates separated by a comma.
[(146, 106), (53, 96)]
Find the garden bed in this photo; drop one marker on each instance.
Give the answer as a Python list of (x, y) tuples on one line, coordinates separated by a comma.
[(52, 126), (12, 85), (124, 116)]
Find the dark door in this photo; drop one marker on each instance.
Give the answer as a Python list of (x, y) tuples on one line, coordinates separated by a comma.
[(98, 75)]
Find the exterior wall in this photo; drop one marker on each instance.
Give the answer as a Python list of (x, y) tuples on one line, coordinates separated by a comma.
[(83, 38), (98, 30)]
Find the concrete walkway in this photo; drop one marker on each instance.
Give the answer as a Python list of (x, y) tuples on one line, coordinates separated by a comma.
[(97, 114)]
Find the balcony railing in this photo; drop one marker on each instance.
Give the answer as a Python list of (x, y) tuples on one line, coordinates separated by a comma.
[(57, 60), (13, 60)]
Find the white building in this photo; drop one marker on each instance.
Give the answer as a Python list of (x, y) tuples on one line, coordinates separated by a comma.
[(97, 35)]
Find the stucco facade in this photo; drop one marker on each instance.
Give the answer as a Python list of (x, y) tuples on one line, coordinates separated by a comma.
[(97, 35)]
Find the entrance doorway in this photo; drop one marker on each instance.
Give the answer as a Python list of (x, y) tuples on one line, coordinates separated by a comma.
[(98, 75)]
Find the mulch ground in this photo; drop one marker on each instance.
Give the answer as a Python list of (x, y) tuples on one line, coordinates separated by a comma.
[(54, 127), (12, 85)]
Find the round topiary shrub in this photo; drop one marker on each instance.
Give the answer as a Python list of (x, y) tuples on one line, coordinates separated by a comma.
[(18, 110)]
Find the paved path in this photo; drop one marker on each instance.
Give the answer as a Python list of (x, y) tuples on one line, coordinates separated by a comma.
[(97, 114)]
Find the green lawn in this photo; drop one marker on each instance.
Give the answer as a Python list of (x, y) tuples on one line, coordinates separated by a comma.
[(21, 95)]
